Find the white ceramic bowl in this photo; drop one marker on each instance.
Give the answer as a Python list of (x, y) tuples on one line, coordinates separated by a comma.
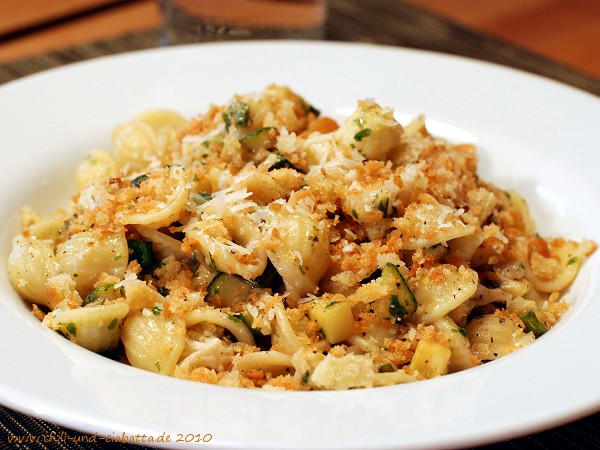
[(534, 135)]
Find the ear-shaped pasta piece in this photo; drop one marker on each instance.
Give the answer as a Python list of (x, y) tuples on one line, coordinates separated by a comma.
[(159, 200), (96, 328), (136, 146), (228, 236), (431, 223), (139, 295), (442, 289), (298, 247), (372, 206), (210, 352), (372, 130), (153, 342), (492, 337), (345, 372), (233, 324), (98, 165), (86, 255), (159, 119), (464, 247), (462, 357), (30, 264), (557, 271), (51, 226), (233, 251)]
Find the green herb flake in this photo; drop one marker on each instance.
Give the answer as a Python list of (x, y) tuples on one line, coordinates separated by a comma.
[(354, 214), (462, 331), (305, 377), (72, 328), (95, 294), (365, 132), (236, 319), (142, 252), (572, 261), (113, 323), (386, 368), (330, 304), (158, 365), (322, 333), (200, 198), (212, 264), (139, 180), (383, 207), (157, 310)]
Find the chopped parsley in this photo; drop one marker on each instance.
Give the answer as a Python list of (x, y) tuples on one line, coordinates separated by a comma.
[(236, 319), (305, 377), (383, 207), (142, 252), (386, 368), (462, 331), (72, 328), (365, 132), (139, 180), (200, 198), (95, 294)]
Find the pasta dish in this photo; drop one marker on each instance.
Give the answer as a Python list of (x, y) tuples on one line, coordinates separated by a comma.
[(262, 244)]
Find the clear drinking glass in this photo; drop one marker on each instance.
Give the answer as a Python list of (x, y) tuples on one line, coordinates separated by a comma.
[(189, 21)]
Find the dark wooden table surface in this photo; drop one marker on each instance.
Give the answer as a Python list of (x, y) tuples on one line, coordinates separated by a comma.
[(387, 22)]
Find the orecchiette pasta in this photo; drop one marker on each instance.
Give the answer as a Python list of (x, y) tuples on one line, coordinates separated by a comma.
[(31, 263), (261, 244), (153, 341), (86, 255), (97, 328)]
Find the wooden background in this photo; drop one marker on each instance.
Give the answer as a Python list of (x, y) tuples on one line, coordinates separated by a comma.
[(566, 31)]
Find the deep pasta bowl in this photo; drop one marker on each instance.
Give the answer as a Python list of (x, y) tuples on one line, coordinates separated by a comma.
[(533, 135)]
